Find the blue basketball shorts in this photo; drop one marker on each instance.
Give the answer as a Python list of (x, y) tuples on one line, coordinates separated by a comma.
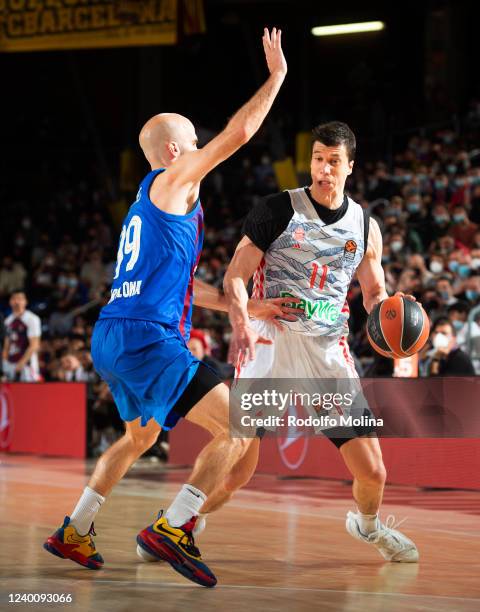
[(149, 369)]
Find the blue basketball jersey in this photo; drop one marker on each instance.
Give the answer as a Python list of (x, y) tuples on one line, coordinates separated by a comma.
[(157, 257)]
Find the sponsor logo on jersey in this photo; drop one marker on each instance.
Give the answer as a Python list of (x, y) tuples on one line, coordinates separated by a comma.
[(126, 290), (319, 310), (350, 250)]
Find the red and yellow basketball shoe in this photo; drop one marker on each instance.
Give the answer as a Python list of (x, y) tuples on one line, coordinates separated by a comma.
[(68, 544), (176, 546)]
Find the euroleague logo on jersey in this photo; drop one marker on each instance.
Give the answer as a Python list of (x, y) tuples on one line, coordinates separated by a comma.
[(350, 250), (6, 419)]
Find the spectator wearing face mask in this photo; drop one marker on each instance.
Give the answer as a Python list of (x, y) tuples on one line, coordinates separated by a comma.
[(463, 230), (417, 263), (458, 317), (436, 265), (418, 226), (397, 244), (470, 290), (446, 358), (444, 290), (475, 259), (460, 265), (440, 221)]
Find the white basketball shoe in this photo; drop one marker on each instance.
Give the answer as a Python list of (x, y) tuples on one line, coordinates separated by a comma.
[(392, 545)]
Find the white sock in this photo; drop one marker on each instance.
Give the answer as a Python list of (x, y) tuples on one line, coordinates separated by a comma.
[(200, 524), (85, 511), (187, 504), (367, 523)]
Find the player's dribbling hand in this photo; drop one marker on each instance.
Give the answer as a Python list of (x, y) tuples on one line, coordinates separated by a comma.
[(274, 310), (242, 345), (272, 45), (412, 298)]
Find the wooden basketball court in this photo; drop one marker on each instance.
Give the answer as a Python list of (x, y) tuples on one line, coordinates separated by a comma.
[(279, 545)]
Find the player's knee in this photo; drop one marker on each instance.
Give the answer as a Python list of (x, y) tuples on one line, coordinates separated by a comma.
[(142, 441), (374, 474)]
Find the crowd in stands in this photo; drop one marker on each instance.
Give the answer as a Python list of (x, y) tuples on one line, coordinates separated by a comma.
[(427, 203)]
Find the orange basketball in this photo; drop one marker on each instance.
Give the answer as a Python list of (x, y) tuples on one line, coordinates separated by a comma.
[(398, 327)]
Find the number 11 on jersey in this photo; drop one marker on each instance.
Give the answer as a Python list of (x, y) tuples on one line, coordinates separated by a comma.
[(323, 277)]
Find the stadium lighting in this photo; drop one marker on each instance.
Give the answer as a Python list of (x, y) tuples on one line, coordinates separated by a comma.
[(348, 28)]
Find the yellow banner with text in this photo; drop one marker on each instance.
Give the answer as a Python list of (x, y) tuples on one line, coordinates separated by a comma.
[(36, 25)]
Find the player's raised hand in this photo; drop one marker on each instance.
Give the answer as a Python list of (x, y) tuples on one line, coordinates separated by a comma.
[(272, 45)]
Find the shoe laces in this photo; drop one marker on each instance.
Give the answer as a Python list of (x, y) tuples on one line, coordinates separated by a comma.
[(188, 542), (91, 532), (384, 534), (390, 522)]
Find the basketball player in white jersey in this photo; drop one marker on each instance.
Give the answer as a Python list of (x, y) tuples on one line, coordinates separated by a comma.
[(22, 342), (308, 243)]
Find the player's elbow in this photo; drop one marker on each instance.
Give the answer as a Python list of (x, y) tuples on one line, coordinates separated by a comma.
[(239, 134)]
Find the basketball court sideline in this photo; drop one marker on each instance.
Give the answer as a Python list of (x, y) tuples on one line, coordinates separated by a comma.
[(279, 545)]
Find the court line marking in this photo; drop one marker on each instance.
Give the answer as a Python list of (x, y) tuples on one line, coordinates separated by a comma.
[(122, 488), (273, 508), (274, 587)]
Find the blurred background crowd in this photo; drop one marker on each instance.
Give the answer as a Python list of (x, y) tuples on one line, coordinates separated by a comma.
[(427, 203)]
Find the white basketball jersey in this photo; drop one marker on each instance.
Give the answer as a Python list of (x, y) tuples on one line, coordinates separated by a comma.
[(314, 262)]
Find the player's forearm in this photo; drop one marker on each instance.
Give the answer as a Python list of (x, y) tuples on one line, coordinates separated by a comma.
[(250, 117), (374, 296), (237, 299), (208, 296)]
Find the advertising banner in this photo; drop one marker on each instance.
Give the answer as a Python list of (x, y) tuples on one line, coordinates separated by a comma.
[(43, 418), (36, 25)]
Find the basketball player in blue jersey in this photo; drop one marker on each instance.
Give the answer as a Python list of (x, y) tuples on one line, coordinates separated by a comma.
[(308, 243), (139, 343)]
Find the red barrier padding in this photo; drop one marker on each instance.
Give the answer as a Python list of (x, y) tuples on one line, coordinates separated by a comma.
[(435, 462), (43, 418)]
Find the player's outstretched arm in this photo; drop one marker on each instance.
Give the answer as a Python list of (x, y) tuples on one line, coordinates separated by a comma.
[(370, 272), (208, 296), (191, 167)]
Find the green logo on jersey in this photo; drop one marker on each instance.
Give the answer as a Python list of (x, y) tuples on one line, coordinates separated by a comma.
[(321, 310)]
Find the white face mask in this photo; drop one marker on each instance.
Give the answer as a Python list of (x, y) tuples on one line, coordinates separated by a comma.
[(475, 263), (440, 341), (436, 267)]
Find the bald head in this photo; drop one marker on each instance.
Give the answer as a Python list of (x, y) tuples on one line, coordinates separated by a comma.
[(165, 137)]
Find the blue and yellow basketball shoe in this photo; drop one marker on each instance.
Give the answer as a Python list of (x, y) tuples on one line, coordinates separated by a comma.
[(68, 544), (176, 546)]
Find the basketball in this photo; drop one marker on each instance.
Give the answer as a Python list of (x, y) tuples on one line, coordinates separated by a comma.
[(398, 327)]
